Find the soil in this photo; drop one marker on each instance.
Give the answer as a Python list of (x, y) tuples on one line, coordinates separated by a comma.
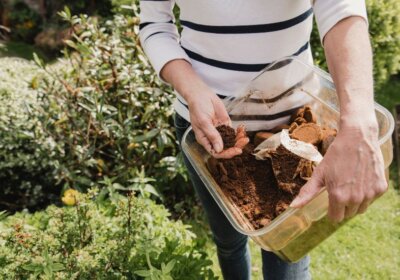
[(228, 135), (285, 165), (263, 189), (251, 183)]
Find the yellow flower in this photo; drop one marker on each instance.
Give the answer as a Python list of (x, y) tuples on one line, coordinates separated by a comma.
[(133, 145), (100, 165), (69, 197)]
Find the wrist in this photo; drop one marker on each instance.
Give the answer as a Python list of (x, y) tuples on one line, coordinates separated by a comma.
[(196, 93), (359, 126), (358, 113)]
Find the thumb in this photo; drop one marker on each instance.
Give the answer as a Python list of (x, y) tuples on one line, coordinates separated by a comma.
[(221, 114), (310, 189)]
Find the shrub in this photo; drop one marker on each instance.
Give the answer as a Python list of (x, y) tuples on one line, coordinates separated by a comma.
[(127, 238), (26, 151), (108, 112), (384, 25), (102, 118)]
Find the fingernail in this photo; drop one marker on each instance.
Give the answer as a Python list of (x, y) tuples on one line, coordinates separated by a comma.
[(294, 203), (218, 147)]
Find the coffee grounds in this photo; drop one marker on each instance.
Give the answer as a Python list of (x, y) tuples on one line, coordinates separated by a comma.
[(228, 135), (252, 186), (308, 132), (285, 165), (328, 135)]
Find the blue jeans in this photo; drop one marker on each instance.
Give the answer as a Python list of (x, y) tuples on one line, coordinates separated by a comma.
[(232, 248)]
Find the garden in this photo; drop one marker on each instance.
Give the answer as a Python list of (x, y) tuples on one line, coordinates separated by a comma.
[(92, 182)]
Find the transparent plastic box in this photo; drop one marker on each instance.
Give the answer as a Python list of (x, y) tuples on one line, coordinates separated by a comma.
[(292, 83)]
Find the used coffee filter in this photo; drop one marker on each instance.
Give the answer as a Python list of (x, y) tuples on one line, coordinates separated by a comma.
[(299, 148)]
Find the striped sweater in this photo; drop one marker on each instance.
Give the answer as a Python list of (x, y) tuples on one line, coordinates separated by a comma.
[(228, 42)]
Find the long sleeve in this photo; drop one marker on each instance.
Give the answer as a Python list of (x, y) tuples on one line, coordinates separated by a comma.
[(158, 34), (329, 12)]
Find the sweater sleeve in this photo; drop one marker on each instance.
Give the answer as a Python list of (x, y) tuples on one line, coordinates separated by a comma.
[(329, 12), (158, 34)]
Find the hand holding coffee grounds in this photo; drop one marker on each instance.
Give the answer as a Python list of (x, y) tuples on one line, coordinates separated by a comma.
[(233, 142)]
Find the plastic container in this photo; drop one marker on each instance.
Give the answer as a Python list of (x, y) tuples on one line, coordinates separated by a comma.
[(295, 232)]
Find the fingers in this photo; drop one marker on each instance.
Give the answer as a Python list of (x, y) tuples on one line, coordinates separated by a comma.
[(309, 190), (371, 195), (202, 139), (228, 153), (336, 210), (351, 210), (241, 143), (363, 207), (240, 132), (213, 136), (221, 114)]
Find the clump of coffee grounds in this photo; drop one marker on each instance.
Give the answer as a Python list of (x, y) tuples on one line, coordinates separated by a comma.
[(251, 185), (285, 165), (228, 135)]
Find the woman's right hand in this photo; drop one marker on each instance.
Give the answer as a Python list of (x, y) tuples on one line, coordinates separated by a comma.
[(206, 112)]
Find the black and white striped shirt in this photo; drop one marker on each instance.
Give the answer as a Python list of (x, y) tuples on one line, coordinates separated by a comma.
[(228, 42)]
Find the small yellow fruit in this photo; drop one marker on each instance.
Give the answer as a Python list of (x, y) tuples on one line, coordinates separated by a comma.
[(69, 197)]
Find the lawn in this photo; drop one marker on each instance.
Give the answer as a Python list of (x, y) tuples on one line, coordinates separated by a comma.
[(22, 50)]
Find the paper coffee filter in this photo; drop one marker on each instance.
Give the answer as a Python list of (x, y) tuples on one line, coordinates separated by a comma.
[(299, 148)]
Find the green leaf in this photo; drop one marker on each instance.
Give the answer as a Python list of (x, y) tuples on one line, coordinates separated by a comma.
[(3, 215), (58, 266), (70, 43), (147, 136), (33, 267), (150, 189), (118, 186), (143, 273), (48, 271), (86, 107), (38, 61), (169, 267), (67, 11)]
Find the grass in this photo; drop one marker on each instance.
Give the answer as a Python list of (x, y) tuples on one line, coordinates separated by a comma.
[(368, 247), (22, 50)]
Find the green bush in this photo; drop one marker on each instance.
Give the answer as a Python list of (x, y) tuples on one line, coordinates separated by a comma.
[(108, 112), (384, 25), (25, 22), (100, 117), (26, 151), (125, 238)]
